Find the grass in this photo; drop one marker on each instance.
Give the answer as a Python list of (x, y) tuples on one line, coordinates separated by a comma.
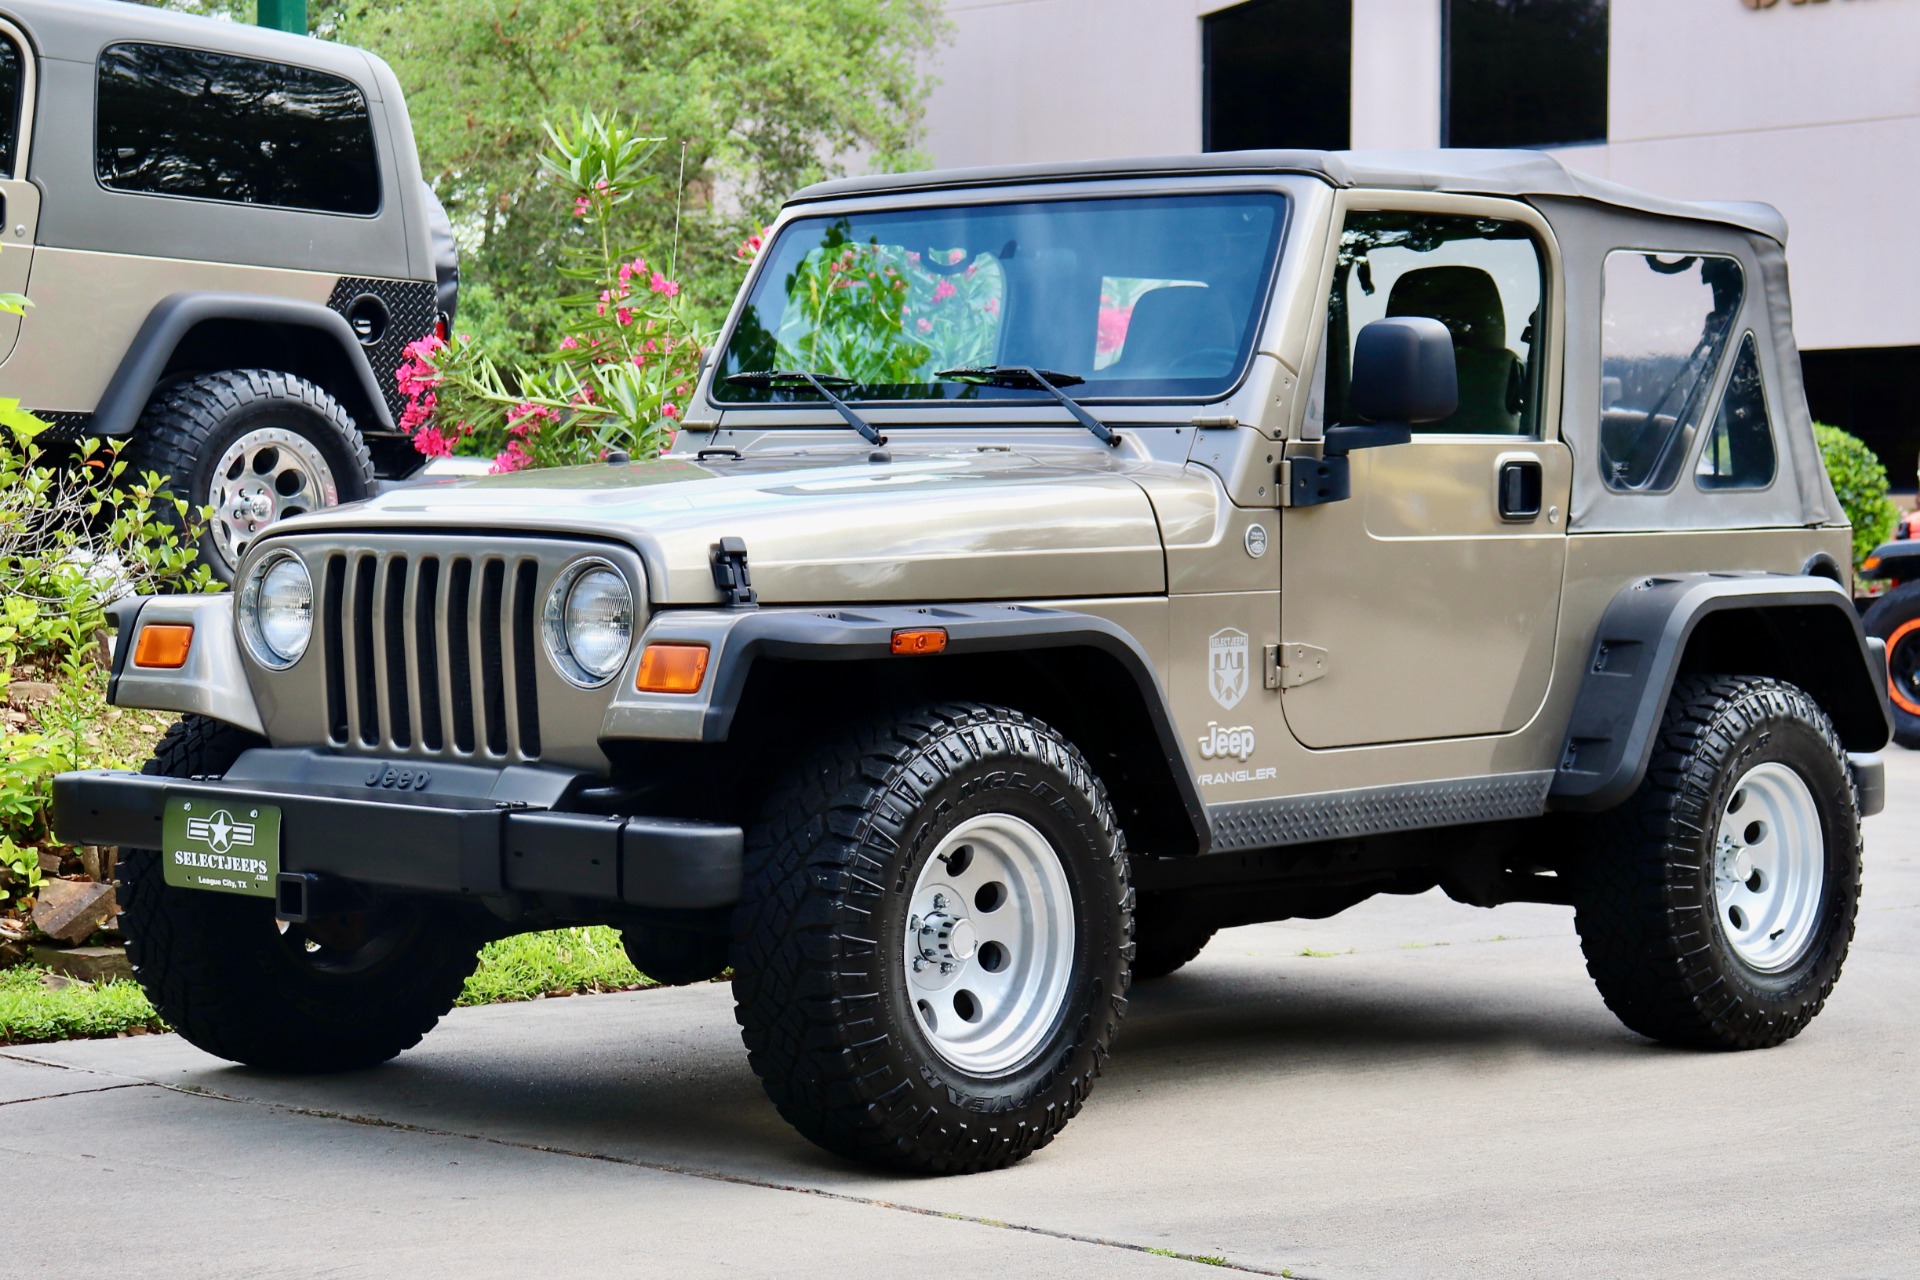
[(30, 1011), (1322, 955), (531, 966)]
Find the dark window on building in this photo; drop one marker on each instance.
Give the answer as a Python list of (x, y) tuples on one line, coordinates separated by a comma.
[(10, 77), (1279, 73), (1874, 393), (1525, 73), (1739, 450), (181, 122)]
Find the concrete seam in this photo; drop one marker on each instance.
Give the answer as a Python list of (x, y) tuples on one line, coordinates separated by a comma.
[(711, 1175), (76, 1093)]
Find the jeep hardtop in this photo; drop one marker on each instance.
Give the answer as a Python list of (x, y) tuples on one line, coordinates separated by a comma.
[(228, 245), (1056, 565)]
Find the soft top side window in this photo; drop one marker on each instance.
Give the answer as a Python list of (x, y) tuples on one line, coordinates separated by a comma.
[(1665, 323), (1739, 452), (12, 73), (211, 126)]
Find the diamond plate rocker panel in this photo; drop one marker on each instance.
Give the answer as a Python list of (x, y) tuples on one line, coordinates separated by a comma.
[(1336, 815)]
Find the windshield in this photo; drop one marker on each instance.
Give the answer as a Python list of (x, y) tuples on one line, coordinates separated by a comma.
[(1145, 298)]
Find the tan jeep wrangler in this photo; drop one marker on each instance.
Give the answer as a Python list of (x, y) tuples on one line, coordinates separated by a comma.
[(1058, 565), (228, 246)]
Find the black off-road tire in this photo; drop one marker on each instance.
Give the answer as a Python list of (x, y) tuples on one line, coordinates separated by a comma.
[(190, 423), (219, 970), (1165, 938), (1647, 914), (820, 986), (1895, 618)]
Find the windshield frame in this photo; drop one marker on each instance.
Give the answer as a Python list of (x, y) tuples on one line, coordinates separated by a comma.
[(931, 410)]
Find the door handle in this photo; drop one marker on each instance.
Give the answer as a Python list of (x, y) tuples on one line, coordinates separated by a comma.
[(1520, 489)]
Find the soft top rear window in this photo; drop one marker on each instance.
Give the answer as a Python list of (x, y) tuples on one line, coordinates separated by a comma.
[(1132, 298), (212, 126)]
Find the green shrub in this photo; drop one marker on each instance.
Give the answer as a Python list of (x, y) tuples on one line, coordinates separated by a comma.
[(1860, 482)]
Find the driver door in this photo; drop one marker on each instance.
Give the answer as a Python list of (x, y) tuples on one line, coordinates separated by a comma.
[(1434, 589)]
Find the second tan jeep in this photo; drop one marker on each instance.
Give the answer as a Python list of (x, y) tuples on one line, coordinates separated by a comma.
[(1058, 565)]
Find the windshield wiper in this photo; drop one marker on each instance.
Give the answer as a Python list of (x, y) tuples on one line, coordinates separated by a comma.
[(821, 382), (1021, 375)]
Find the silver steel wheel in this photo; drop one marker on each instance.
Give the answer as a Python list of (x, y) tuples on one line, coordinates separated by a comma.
[(266, 475), (1770, 868), (989, 945)]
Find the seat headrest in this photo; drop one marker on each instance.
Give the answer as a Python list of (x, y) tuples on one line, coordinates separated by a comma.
[(1465, 299), (1172, 322)]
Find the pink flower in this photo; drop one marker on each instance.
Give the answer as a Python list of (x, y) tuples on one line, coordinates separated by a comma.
[(581, 205), (626, 272), (569, 343), (913, 258), (670, 410), (1111, 333), (957, 257), (943, 291), (639, 361), (623, 316), (663, 286), (925, 325), (750, 248), (991, 306), (602, 185), (433, 443), (513, 458)]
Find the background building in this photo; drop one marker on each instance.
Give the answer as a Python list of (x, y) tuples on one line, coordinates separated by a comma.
[(1810, 105)]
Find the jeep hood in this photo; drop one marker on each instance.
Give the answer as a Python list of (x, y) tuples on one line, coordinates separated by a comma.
[(823, 527)]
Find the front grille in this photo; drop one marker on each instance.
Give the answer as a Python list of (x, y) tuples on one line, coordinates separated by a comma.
[(430, 653)]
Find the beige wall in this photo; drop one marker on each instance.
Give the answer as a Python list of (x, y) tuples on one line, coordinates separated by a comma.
[(1811, 107)]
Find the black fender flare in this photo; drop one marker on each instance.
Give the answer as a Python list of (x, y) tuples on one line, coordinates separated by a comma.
[(866, 634), (1642, 641), (178, 314)]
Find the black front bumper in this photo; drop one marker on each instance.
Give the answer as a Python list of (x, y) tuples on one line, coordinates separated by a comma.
[(432, 828)]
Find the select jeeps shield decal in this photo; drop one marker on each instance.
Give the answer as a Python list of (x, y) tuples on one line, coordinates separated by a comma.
[(1227, 667)]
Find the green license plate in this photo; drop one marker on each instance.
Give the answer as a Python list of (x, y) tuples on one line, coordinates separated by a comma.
[(219, 845)]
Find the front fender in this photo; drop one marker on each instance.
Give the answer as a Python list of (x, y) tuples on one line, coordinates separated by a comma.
[(211, 684), (1801, 629)]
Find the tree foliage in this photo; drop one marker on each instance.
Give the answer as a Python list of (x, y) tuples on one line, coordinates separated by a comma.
[(764, 95)]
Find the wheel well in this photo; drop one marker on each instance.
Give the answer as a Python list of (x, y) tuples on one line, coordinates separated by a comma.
[(1084, 693), (1814, 647), (290, 348)]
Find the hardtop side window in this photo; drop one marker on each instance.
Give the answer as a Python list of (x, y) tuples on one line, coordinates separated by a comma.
[(12, 73), (1481, 277), (211, 126), (1739, 452), (1665, 325)]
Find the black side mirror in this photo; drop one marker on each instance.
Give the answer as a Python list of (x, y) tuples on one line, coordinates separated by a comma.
[(1404, 374)]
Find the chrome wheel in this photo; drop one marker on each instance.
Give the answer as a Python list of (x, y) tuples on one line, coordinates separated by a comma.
[(1769, 868), (266, 475), (989, 944)]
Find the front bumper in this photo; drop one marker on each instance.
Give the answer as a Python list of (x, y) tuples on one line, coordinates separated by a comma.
[(451, 829)]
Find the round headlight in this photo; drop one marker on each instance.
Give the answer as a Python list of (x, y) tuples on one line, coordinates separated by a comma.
[(588, 622), (276, 610)]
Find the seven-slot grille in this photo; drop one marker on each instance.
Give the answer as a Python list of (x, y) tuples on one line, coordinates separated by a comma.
[(434, 651)]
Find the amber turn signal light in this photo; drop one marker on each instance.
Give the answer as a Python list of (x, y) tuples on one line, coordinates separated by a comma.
[(672, 668), (163, 644), (916, 640)]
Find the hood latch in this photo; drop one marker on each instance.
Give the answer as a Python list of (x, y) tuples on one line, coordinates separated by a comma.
[(729, 561)]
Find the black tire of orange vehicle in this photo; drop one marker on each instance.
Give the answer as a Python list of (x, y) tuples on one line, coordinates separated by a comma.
[(334, 995), (822, 986), (1895, 618)]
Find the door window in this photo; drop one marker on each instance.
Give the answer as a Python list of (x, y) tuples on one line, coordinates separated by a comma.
[(1664, 329), (210, 126), (1481, 277), (1739, 450), (12, 72)]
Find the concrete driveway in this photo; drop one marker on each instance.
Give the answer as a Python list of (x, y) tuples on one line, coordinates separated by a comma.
[(1416, 1088)]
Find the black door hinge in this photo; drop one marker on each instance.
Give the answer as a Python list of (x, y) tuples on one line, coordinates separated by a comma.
[(729, 561)]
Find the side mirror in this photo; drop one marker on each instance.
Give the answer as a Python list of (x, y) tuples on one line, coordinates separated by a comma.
[(1404, 374)]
